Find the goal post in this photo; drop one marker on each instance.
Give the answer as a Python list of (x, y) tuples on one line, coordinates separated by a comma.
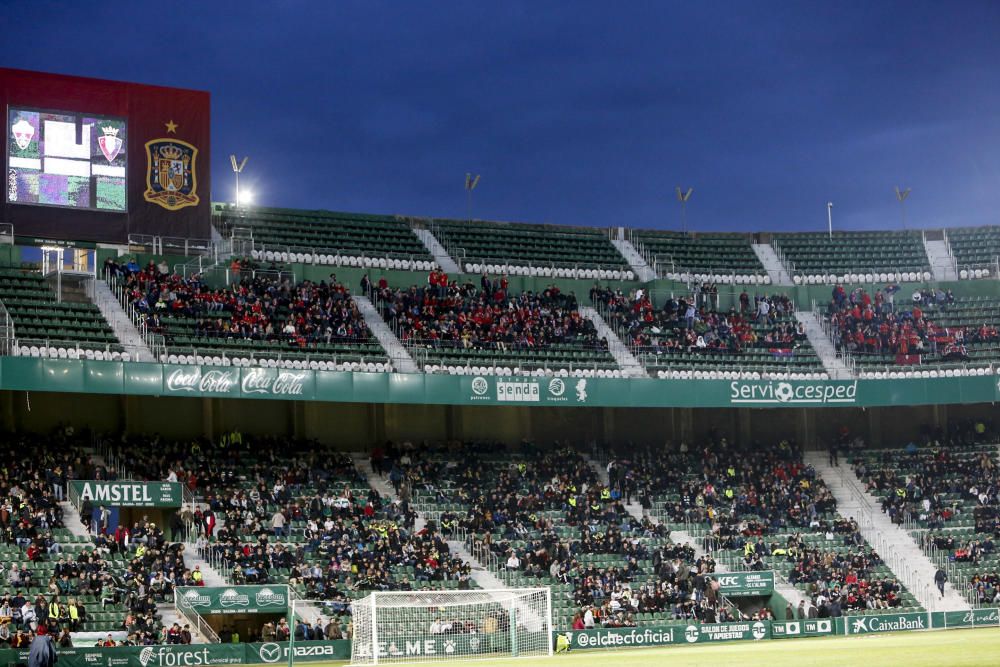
[(392, 627)]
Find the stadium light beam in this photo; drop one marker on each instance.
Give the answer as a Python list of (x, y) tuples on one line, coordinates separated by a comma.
[(901, 195), (683, 196), (829, 219), (238, 169)]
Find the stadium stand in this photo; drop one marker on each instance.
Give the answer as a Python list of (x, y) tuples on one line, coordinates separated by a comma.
[(292, 512), (461, 328), (47, 327), (531, 250), (944, 491), (104, 584), (688, 337), (324, 237), (720, 258), (539, 516), (852, 257), (976, 250), (760, 508), (262, 319), (932, 328)]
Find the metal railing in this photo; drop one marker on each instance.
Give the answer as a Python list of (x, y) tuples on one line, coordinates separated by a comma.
[(199, 623), (8, 336)]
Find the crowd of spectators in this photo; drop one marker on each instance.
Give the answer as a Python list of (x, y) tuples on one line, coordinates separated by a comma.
[(687, 324), (488, 317), (931, 484), (876, 325), (260, 306), (519, 505)]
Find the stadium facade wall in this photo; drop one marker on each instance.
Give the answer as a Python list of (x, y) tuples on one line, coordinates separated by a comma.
[(353, 426)]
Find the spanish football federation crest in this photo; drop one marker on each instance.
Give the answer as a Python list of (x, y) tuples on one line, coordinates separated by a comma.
[(171, 178)]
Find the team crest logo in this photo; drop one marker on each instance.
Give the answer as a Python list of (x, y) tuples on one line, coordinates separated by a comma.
[(111, 144), (171, 179), (23, 132)]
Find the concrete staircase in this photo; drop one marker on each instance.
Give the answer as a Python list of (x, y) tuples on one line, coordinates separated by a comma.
[(120, 322), (942, 261), (623, 357), (642, 270), (381, 484), (169, 615), (441, 256), (634, 508), (401, 359), (71, 520), (209, 574), (772, 264), (832, 363), (896, 547)]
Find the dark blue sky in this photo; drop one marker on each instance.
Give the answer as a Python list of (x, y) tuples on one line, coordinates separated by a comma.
[(573, 112)]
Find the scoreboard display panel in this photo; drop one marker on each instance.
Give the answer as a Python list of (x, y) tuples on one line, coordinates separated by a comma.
[(67, 159)]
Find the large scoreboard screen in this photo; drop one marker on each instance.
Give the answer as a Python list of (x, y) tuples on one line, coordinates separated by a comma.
[(74, 160)]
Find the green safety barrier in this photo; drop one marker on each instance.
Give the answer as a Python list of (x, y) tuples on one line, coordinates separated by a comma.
[(206, 600), (144, 379)]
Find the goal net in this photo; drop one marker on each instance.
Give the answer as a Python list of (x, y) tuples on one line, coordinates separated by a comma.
[(394, 627)]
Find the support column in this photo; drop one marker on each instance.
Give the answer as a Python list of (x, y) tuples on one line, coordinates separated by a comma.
[(875, 438), (744, 427), (208, 406)]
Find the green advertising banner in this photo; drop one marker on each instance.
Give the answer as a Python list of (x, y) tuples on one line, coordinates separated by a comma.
[(693, 633), (144, 379), (966, 619), (312, 651), (866, 625), (435, 647), (127, 493), (136, 656), (207, 600), (812, 627), (746, 584), (190, 655)]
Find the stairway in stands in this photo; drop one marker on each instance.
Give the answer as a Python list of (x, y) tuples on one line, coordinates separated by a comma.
[(940, 256), (441, 255), (623, 356), (833, 364), (120, 322), (776, 271), (896, 547), (482, 576), (643, 271), (401, 359)]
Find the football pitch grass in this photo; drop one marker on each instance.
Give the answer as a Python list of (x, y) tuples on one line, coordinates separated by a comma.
[(947, 648)]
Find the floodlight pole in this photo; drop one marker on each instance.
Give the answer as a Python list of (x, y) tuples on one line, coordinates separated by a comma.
[(238, 169), (683, 196), (901, 195), (471, 181), (829, 219)]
